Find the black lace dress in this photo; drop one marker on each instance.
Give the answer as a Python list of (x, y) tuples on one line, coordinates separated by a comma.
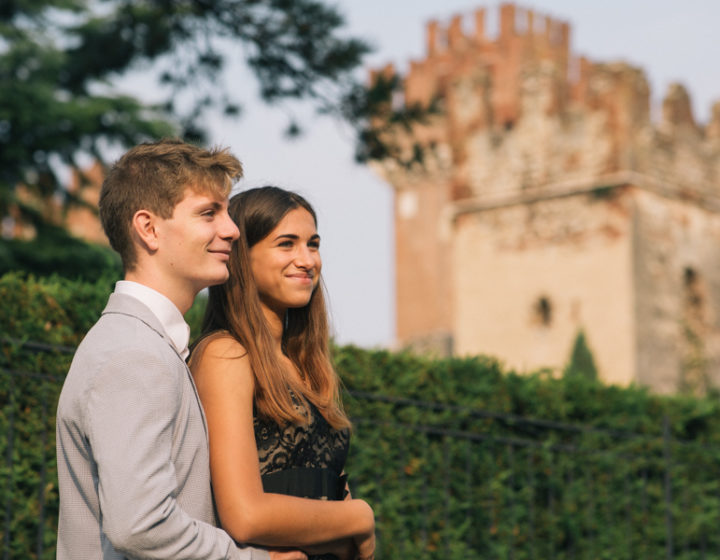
[(305, 461)]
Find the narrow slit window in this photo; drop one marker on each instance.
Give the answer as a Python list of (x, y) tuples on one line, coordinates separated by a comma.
[(543, 311)]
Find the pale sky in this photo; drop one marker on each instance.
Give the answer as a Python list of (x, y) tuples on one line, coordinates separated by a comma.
[(669, 39)]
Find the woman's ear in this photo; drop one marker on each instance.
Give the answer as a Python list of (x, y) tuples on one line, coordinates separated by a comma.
[(144, 226)]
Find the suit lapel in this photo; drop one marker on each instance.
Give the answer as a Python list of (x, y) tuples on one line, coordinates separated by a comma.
[(127, 305)]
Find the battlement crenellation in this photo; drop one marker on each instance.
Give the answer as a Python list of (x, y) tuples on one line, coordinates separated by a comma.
[(520, 110)]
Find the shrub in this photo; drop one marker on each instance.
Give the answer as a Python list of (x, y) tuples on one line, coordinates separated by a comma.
[(581, 361), (459, 457)]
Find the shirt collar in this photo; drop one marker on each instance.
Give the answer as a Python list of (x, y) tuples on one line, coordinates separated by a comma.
[(165, 310)]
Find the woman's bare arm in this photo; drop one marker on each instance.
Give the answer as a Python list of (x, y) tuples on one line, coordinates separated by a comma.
[(225, 384)]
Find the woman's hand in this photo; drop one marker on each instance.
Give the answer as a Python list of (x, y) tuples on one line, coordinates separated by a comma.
[(365, 547), (279, 554), (344, 549), (365, 542), (359, 547)]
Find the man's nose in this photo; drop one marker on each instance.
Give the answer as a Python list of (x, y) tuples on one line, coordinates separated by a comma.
[(229, 229)]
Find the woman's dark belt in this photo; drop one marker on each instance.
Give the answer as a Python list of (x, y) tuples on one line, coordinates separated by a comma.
[(319, 484)]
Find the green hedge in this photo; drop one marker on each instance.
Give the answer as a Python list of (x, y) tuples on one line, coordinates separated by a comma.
[(529, 466), (54, 311), (460, 458)]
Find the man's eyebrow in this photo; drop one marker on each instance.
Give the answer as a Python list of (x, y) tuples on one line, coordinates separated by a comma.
[(214, 204)]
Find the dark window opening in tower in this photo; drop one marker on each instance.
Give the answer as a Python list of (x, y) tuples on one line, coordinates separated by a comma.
[(543, 311), (691, 283)]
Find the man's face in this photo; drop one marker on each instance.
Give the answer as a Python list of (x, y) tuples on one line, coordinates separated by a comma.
[(194, 244)]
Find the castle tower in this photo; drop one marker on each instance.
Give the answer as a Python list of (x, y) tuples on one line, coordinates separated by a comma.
[(551, 203)]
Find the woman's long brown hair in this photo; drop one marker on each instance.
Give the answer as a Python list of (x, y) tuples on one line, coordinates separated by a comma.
[(235, 307)]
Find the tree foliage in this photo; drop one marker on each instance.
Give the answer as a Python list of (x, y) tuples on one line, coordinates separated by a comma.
[(54, 251), (384, 121), (60, 62)]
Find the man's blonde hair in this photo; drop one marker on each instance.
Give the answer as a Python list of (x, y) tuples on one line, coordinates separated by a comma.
[(154, 176)]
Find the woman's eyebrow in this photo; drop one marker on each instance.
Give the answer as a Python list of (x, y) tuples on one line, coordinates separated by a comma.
[(294, 236), (287, 236)]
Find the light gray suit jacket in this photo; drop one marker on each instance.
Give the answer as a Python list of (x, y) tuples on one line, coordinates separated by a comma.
[(132, 448)]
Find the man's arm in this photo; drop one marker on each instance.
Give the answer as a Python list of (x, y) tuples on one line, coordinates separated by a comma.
[(131, 413)]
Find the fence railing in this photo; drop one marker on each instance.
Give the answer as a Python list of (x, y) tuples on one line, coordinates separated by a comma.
[(445, 481)]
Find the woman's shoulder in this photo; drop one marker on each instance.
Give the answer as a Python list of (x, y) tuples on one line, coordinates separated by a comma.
[(221, 370), (218, 345)]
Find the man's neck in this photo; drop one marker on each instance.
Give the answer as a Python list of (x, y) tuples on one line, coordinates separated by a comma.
[(180, 295)]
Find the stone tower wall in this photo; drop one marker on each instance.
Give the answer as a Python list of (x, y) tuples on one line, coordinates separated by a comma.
[(531, 276), (423, 252), (531, 136), (677, 285)]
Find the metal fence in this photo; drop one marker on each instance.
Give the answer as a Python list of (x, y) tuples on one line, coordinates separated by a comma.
[(445, 481)]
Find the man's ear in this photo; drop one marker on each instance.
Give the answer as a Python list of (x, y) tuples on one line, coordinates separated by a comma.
[(144, 226)]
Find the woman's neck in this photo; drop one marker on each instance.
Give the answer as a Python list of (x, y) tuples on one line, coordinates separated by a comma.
[(276, 323)]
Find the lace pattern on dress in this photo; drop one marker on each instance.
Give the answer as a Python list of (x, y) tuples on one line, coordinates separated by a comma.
[(315, 445)]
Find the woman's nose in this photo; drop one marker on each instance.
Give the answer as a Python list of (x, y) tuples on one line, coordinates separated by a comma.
[(305, 257)]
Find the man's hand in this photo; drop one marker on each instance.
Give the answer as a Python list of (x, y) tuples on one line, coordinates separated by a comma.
[(278, 554)]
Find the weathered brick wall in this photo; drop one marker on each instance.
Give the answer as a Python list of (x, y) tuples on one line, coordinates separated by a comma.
[(82, 220), (423, 260), (676, 265), (527, 133)]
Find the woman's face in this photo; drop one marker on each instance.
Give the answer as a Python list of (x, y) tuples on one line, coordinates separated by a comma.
[(286, 264)]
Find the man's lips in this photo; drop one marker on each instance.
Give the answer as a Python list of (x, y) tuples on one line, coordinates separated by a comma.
[(225, 253)]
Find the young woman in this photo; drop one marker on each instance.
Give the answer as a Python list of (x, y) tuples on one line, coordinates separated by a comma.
[(278, 433)]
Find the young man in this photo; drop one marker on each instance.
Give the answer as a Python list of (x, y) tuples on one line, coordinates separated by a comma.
[(132, 448)]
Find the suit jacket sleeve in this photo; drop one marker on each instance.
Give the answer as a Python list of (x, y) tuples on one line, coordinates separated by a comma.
[(130, 416)]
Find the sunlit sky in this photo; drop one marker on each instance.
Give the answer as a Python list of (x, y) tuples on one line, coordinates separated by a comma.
[(670, 40)]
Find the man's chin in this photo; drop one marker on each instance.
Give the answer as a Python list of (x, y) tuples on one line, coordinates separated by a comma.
[(221, 279)]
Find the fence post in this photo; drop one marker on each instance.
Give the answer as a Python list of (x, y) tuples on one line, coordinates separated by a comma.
[(9, 464), (668, 489), (43, 474)]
